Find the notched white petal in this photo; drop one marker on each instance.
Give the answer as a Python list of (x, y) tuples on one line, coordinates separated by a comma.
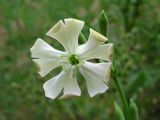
[(74, 22), (71, 86), (67, 33), (54, 86), (41, 49), (46, 65), (52, 32), (64, 81), (96, 75), (47, 58), (94, 48), (97, 36), (103, 52)]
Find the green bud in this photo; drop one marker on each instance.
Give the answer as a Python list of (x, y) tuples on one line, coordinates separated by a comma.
[(118, 112), (82, 38), (103, 23), (133, 110)]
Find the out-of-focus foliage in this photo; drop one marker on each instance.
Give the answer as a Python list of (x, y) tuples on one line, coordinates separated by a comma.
[(134, 28)]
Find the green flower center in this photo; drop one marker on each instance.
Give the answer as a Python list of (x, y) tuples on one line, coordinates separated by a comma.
[(73, 59)]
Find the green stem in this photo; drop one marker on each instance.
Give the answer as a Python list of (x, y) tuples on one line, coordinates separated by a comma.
[(103, 21), (122, 97)]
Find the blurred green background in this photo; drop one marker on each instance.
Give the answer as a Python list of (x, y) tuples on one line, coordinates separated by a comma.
[(134, 28)]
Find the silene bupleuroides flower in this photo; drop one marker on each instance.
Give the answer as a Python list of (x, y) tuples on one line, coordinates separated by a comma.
[(74, 58)]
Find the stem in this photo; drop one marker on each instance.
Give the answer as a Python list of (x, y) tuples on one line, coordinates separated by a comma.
[(122, 97), (103, 21)]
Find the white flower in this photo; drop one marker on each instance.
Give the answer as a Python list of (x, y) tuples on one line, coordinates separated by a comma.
[(75, 57)]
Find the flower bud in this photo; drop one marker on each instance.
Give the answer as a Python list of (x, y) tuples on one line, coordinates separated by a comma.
[(103, 23)]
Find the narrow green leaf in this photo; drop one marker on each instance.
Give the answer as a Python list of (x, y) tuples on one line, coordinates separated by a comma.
[(133, 110), (118, 112)]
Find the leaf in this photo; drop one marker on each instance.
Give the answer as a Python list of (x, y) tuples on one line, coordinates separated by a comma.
[(118, 112), (133, 110)]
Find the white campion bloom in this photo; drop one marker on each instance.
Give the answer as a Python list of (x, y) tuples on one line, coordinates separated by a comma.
[(75, 57)]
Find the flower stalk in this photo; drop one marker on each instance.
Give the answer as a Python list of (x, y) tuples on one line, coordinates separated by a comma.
[(103, 21), (121, 92)]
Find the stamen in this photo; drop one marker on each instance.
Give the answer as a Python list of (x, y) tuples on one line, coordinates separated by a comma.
[(73, 59)]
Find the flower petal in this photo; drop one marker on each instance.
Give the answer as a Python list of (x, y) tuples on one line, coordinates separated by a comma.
[(43, 50), (54, 86), (67, 33), (96, 74), (93, 48), (45, 56), (71, 87), (65, 80), (103, 52), (46, 65)]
